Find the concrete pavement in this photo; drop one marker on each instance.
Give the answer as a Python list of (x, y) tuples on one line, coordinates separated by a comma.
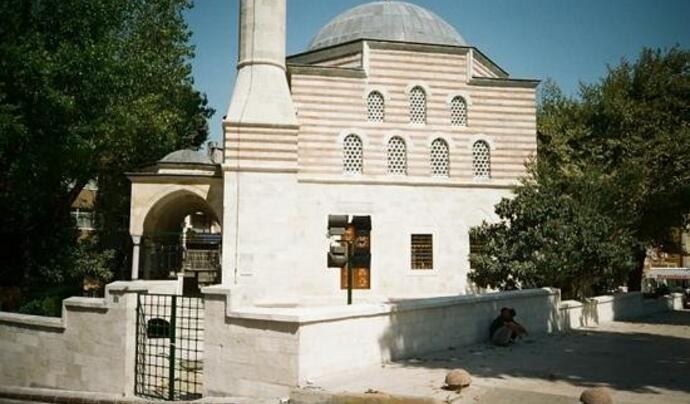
[(640, 361)]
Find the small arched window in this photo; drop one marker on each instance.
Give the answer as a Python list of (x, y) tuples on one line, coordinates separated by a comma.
[(458, 111), (439, 159), (352, 155), (418, 105), (376, 106), (481, 160), (397, 156)]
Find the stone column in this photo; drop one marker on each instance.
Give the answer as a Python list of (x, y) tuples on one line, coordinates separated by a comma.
[(135, 256)]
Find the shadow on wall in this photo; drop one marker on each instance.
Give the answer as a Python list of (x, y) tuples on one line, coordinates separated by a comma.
[(414, 332), (622, 357)]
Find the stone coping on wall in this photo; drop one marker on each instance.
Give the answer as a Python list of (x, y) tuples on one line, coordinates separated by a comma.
[(82, 303), (569, 304), (86, 303), (302, 315), (54, 323)]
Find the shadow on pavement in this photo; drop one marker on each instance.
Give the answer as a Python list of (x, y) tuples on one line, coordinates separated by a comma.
[(619, 356)]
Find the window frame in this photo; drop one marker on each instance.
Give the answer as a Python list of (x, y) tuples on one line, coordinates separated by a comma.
[(431, 164), (489, 151), (425, 93), (344, 156), (369, 109), (405, 156), (452, 112), (76, 214), (432, 254), (468, 105)]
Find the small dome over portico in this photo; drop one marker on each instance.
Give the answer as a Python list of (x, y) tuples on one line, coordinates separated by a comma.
[(187, 156)]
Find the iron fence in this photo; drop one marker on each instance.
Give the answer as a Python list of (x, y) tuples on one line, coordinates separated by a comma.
[(169, 347)]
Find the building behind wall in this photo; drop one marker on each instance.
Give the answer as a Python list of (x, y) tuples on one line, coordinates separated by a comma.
[(389, 114)]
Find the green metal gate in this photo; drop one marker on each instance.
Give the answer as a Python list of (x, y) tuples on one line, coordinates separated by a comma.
[(169, 347)]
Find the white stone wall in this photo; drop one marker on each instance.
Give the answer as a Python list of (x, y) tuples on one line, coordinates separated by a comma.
[(247, 357), (411, 328), (601, 309), (91, 348), (282, 240), (264, 351)]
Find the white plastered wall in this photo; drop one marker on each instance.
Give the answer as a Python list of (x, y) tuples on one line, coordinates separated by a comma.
[(282, 236)]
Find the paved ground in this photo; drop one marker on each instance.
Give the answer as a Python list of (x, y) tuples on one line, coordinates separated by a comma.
[(642, 361)]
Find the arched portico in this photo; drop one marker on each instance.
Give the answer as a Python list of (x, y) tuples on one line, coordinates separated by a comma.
[(175, 221)]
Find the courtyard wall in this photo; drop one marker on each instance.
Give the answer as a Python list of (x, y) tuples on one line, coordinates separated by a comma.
[(265, 351), (90, 348)]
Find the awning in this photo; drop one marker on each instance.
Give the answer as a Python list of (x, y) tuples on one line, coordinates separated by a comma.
[(668, 273)]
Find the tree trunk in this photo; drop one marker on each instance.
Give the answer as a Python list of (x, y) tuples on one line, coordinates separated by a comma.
[(635, 276)]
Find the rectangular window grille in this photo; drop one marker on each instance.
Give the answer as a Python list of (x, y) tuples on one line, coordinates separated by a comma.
[(422, 251), (476, 246)]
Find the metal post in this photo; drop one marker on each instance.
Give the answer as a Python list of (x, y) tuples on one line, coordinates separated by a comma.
[(348, 254), (136, 349), (171, 365)]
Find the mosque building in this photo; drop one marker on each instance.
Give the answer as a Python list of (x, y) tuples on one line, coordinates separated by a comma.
[(390, 121)]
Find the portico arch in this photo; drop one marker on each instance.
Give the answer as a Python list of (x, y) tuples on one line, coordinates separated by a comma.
[(175, 219), (171, 209), (181, 236)]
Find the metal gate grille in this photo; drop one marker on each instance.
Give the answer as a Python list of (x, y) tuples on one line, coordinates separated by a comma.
[(169, 347)]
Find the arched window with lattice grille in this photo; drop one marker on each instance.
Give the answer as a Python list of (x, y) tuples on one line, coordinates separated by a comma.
[(439, 158), (352, 155), (397, 156), (376, 107), (418, 105), (458, 111), (481, 160)]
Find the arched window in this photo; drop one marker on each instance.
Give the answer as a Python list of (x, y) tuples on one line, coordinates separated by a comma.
[(438, 157), (352, 155), (481, 160), (417, 105), (397, 156), (458, 111), (376, 106)]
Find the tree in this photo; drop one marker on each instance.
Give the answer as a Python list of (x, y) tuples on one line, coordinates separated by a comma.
[(634, 124), (612, 179), (88, 91), (554, 232)]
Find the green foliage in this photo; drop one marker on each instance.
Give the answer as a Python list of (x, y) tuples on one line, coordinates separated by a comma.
[(612, 178), (90, 263), (553, 233), (88, 91), (48, 301)]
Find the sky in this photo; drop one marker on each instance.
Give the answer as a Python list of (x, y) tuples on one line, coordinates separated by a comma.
[(569, 41)]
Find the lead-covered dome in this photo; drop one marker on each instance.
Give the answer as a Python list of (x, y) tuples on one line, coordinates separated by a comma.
[(389, 21), (186, 156)]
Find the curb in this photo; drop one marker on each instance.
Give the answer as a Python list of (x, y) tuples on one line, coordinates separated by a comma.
[(323, 397), (79, 397)]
